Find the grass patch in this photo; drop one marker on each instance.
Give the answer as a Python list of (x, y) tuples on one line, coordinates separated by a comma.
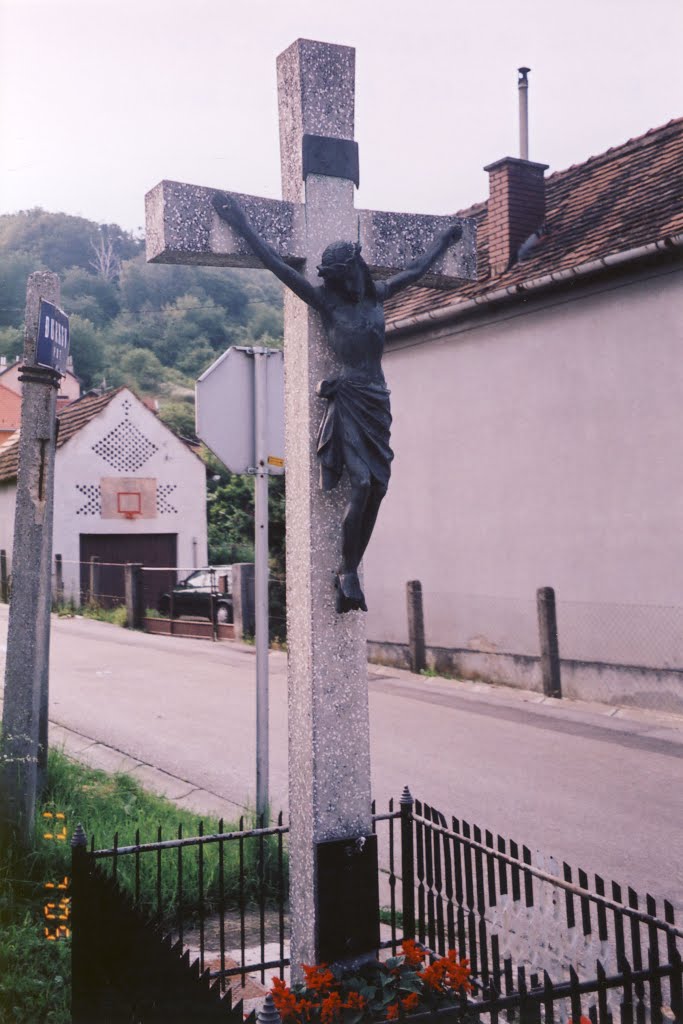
[(117, 616), (34, 972), (92, 610), (386, 918)]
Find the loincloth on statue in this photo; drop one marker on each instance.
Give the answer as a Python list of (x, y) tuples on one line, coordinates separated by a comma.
[(355, 431)]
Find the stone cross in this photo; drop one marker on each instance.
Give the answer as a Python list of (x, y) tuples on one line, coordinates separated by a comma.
[(329, 735)]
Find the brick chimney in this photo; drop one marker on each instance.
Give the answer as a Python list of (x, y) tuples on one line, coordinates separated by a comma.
[(516, 208)]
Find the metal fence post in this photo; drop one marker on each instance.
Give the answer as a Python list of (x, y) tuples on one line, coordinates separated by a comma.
[(4, 581), (79, 939), (93, 579), (407, 864), (59, 580), (550, 648), (134, 595), (416, 626)]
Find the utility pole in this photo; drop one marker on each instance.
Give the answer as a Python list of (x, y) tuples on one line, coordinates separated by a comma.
[(24, 734)]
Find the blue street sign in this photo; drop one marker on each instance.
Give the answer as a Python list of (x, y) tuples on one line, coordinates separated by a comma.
[(53, 337)]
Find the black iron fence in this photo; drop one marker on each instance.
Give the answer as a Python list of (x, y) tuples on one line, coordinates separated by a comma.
[(522, 919), (544, 941), (222, 896)]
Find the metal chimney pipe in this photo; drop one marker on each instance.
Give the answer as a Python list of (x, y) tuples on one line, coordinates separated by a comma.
[(523, 92)]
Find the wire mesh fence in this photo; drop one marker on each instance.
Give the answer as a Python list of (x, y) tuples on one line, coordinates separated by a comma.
[(611, 652)]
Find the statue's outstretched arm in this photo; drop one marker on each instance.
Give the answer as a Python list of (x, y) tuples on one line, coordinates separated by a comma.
[(227, 207), (419, 266)]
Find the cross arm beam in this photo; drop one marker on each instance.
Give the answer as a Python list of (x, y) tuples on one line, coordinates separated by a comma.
[(392, 240), (183, 227)]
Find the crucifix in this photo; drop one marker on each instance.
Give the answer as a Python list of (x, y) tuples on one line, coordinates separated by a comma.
[(337, 435)]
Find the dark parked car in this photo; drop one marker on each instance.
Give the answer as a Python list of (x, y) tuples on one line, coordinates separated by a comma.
[(199, 592)]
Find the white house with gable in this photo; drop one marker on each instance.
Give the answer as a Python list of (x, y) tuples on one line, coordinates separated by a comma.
[(127, 489)]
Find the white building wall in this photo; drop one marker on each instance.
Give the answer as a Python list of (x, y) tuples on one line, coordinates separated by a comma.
[(8, 500), (543, 447), (127, 440)]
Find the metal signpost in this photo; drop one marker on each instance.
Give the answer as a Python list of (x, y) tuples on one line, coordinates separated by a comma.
[(240, 417)]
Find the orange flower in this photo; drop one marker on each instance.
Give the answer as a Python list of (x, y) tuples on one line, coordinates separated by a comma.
[(457, 973), (285, 1001), (412, 954), (355, 1001), (331, 1008), (411, 1002), (392, 1012), (305, 1009), (318, 977), (433, 974)]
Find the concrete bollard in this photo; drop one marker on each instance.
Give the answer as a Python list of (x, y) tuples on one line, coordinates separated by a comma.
[(416, 626)]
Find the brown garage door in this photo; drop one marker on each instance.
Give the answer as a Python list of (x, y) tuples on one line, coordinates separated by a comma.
[(115, 549)]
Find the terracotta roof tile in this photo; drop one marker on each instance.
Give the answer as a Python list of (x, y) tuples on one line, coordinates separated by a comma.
[(70, 420), (622, 199)]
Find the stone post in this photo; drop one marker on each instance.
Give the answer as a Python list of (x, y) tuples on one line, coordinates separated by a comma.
[(416, 626), (243, 599), (93, 580), (135, 604), (59, 580), (4, 580), (24, 734), (550, 651)]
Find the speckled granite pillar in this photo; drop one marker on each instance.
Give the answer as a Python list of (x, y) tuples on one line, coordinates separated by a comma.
[(329, 735)]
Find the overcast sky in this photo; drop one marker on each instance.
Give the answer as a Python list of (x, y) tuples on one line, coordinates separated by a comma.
[(100, 99)]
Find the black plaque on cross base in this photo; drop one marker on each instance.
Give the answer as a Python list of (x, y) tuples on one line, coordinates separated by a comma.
[(348, 898)]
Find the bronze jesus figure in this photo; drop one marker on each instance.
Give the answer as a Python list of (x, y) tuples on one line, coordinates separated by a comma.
[(355, 429)]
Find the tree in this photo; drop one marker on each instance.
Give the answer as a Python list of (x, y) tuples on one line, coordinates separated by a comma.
[(106, 261), (15, 268), (179, 416), (11, 343), (87, 349), (230, 510), (89, 296), (143, 369)]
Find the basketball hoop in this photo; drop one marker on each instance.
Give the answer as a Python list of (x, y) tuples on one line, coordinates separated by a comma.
[(129, 504)]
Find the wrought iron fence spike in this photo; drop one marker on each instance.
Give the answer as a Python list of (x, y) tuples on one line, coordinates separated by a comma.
[(268, 1014), (79, 838)]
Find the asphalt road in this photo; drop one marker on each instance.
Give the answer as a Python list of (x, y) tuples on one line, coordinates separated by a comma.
[(598, 787)]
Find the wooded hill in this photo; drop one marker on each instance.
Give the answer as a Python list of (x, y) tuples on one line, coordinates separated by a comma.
[(153, 327)]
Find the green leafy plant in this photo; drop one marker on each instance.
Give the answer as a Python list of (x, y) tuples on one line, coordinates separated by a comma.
[(414, 982)]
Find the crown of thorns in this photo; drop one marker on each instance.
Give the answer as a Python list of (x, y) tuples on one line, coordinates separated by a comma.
[(337, 256)]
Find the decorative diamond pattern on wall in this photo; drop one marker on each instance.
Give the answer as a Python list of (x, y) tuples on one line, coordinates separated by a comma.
[(93, 503), (164, 506), (125, 447)]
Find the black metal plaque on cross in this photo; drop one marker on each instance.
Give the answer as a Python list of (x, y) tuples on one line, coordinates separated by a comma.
[(348, 898), (335, 158)]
